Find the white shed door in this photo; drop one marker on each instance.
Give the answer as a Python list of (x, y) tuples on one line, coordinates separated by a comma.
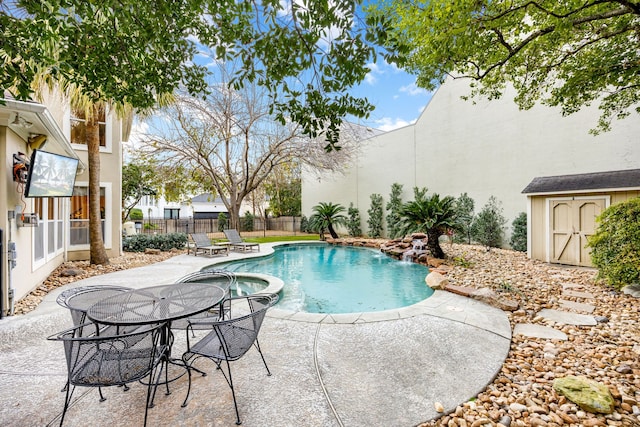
[(572, 221)]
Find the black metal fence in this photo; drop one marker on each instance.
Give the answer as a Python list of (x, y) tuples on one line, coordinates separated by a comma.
[(288, 225)]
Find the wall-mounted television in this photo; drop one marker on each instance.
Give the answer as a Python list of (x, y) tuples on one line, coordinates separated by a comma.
[(51, 175)]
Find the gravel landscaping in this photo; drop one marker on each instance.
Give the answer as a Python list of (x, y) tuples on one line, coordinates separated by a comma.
[(522, 393)]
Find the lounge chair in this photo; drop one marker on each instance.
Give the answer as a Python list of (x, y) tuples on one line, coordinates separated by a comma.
[(203, 245), (235, 241)]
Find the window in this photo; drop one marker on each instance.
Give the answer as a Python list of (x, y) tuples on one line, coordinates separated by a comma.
[(79, 228), (79, 128), (48, 235), (170, 213)]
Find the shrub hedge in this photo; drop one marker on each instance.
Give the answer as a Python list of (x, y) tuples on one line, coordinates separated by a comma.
[(164, 242), (615, 247)]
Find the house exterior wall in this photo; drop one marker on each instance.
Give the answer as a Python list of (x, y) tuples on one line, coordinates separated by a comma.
[(41, 249), (28, 271), (110, 179), (484, 148), (539, 218)]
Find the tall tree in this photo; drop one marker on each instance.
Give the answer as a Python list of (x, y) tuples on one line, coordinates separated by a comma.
[(306, 53), (233, 139), (122, 53), (566, 53)]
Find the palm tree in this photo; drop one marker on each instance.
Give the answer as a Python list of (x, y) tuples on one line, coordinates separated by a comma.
[(430, 215), (325, 216)]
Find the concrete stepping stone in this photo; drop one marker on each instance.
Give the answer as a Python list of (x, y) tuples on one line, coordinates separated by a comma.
[(567, 317), (578, 306), (570, 293), (538, 331), (574, 286)]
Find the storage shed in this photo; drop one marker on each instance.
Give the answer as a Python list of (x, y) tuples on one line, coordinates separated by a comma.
[(562, 211)]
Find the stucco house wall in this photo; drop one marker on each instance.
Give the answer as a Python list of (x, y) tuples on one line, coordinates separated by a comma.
[(483, 148), (39, 250)]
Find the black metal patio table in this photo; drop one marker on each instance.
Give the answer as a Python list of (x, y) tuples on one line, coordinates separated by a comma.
[(157, 304)]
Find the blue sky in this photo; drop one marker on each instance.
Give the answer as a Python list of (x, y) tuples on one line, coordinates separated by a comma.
[(394, 93)]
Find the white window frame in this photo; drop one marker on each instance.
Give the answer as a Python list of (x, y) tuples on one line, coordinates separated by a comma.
[(108, 217), (108, 148), (60, 207)]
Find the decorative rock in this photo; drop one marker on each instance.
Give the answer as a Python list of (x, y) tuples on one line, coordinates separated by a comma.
[(624, 369), (601, 319), (633, 290), (70, 272), (439, 407), (490, 297), (436, 281), (505, 421), (151, 251), (517, 407), (589, 395)]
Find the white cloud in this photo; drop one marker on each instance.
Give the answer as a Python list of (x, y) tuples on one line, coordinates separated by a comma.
[(387, 123), (371, 78), (413, 90)]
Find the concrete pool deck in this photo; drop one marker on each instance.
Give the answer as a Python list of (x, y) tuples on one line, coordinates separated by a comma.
[(367, 369)]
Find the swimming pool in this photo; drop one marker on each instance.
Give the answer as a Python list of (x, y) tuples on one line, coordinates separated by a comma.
[(321, 278)]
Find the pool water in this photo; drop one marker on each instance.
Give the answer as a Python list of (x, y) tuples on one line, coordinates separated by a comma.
[(338, 279)]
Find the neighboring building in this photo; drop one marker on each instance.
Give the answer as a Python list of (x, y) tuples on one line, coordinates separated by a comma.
[(483, 148), (202, 206), (62, 230), (206, 206)]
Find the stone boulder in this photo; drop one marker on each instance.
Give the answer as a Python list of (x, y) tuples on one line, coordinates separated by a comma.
[(488, 296), (436, 281), (589, 395), (633, 290), (151, 251)]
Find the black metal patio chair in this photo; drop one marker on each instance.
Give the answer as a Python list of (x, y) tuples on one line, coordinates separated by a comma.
[(224, 279), (110, 360), (231, 339), (78, 300)]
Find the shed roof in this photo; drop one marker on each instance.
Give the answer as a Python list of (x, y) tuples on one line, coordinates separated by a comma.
[(585, 181)]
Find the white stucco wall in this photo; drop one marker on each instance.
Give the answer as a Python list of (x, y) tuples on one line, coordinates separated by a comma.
[(487, 148)]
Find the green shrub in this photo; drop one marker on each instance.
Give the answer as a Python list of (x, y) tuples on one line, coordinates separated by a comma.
[(464, 206), (247, 221), (518, 240), (393, 207), (375, 216), (304, 224), (223, 220), (164, 242), (488, 227), (151, 226), (615, 246), (136, 214), (353, 223)]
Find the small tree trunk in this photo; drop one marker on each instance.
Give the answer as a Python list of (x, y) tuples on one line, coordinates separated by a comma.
[(434, 245), (97, 252), (332, 231)]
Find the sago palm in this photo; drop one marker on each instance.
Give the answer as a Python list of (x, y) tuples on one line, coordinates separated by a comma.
[(326, 215), (430, 215)]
